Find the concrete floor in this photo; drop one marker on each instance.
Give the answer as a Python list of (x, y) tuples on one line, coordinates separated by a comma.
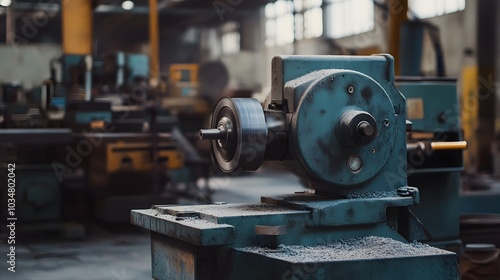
[(102, 256), (125, 254)]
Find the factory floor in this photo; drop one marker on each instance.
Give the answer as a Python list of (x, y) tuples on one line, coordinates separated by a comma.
[(123, 252)]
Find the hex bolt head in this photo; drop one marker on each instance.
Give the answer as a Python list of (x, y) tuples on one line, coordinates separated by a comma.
[(220, 203), (365, 129), (403, 191)]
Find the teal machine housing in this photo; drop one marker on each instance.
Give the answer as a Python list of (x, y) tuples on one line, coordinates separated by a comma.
[(433, 110), (27, 143), (38, 190), (338, 122)]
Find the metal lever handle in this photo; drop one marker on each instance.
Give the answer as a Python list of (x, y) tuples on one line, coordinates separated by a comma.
[(454, 145), (437, 146), (211, 134)]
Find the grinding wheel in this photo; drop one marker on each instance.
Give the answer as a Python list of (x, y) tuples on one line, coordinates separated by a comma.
[(238, 133)]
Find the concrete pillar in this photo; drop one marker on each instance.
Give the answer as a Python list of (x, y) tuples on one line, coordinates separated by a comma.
[(487, 30), (154, 42), (77, 26), (398, 14)]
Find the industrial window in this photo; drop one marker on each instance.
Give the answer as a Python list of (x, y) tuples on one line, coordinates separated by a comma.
[(293, 20), (349, 17), (230, 38), (434, 8), (279, 24), (308, 18)]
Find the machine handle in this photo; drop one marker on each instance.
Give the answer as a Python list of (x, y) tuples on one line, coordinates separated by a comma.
[(436, 146), (454, 145)]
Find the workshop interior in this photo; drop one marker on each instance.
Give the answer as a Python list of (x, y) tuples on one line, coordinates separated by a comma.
[(238, 139)]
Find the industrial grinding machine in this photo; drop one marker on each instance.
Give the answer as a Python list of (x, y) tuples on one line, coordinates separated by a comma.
[(338, 122)]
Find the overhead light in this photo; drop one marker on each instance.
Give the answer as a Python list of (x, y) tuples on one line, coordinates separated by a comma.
[(126, 5), (5, 3)]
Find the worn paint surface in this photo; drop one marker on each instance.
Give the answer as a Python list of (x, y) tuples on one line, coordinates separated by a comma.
[(319, 112)]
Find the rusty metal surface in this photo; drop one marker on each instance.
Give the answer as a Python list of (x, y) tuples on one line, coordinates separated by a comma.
[(270, 230), (216, 213), (192, 230), (173, 259)]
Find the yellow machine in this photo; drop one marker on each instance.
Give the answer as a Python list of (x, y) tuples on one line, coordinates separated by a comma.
[(124, 162), (192, 105), (122, 156), (183, 79), (129, 169)]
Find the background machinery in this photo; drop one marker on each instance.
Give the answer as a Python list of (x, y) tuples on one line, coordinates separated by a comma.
[(97, 142), (435, 155)]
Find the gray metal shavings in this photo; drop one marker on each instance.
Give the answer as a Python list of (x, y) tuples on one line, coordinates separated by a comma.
[(243, 209), (197, 222), (189, 221), (229, 210), (371, 194), (359, 248)]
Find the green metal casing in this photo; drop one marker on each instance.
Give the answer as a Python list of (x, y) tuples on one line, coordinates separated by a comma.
[(38, 193), (439, 99)]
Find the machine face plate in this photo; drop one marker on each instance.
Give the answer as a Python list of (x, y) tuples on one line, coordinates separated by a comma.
[(319, 111)]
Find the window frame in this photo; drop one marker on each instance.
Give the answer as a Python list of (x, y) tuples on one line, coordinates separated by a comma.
[(296, 12), (328, 21), (459, 6)]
